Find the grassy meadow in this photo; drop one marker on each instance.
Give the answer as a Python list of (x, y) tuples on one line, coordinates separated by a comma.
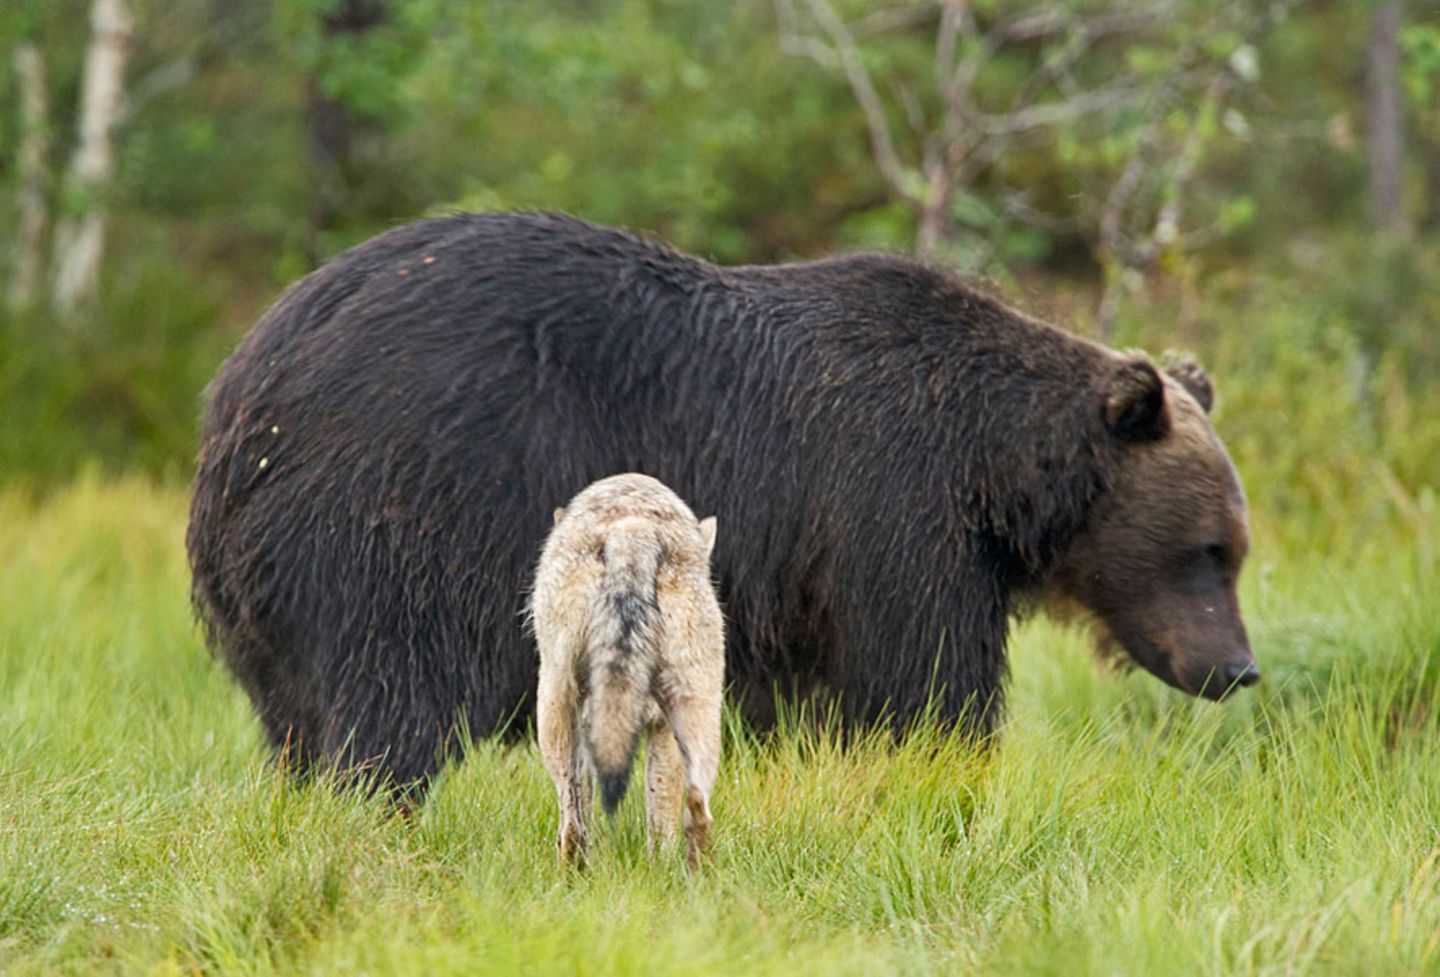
[(1119, 827)]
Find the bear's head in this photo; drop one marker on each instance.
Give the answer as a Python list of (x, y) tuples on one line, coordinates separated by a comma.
[(1160, 552)]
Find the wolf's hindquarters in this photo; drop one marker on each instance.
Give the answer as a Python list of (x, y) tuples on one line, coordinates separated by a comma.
[(624, 652), (612, 718), (631, 637)]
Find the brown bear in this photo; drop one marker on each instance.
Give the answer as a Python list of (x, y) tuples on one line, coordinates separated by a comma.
[(1173, 611), (897, 458)]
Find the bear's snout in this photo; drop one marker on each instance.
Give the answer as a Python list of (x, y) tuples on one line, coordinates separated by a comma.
[(1242, 675), (1223, 680)]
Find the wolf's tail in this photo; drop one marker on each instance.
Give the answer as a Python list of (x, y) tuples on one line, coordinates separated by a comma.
[(624, 651)]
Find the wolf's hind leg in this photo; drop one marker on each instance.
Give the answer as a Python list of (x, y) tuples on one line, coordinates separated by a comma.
[(695, 722), (556, 713), (664, 783)]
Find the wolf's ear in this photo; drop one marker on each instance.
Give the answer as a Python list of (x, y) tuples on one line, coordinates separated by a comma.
[(559, 514), (707, 534), (1192, 377), (1135, 402)]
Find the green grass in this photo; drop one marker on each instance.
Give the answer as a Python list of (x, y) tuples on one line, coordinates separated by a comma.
[(1118, 828)]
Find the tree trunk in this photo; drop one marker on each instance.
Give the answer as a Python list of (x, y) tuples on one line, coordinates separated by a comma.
[(935, 227), (1430, 153), (80, 234), (1387, 119), (329, 129), (31, 170)]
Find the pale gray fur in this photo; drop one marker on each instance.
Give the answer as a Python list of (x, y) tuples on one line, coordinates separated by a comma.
[(631, 637)]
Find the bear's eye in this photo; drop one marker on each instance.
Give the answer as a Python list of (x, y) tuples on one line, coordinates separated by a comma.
[(1202, 569)]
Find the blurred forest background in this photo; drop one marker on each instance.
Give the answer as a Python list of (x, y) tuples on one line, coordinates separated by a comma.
[(1257, 182)]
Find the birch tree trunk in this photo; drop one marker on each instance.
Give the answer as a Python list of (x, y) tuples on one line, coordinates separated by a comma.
[(31, 170), (80, 233)]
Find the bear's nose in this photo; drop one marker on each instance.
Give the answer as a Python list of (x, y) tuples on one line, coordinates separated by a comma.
[(1246, 674)]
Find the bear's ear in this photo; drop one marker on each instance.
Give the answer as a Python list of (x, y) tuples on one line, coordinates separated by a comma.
[(559, 514), (707, 534), (1135, 402), (1192, 377)]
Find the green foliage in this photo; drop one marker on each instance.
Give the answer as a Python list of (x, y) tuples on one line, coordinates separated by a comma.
[(1421, 44), (1117, 826), (1322, 384), (120, 389), (364, 69), (682, 119)]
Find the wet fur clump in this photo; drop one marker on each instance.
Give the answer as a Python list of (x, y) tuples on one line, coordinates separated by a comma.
[(631, 639), (896, 459)]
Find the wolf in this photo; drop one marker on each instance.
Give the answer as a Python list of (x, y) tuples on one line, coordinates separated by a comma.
[(631, 638)]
